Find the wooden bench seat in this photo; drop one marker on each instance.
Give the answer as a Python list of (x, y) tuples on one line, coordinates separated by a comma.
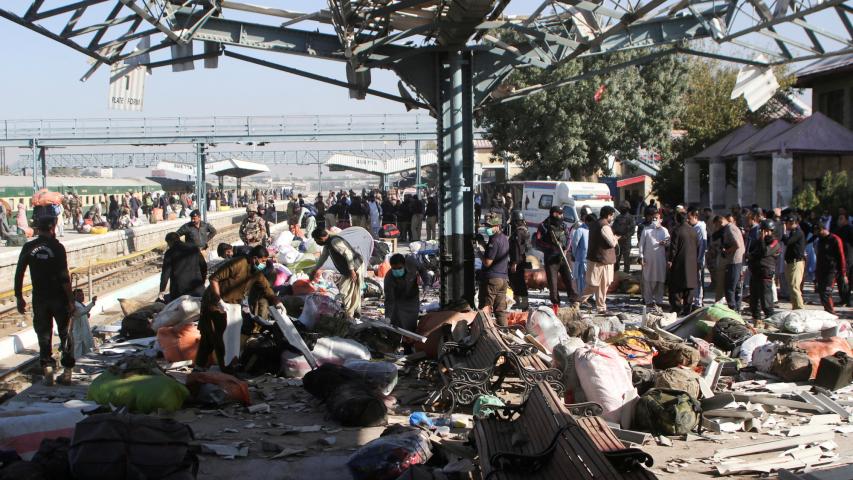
[(541, 439)]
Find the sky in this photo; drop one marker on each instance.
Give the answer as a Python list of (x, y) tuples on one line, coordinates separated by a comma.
[(42, 80)]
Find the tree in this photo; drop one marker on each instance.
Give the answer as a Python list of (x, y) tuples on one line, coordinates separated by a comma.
[(578, 126), (709, 114)]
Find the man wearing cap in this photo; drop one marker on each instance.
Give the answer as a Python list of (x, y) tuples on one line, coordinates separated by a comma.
[(761, 258), (51, 296), (795, 259), (349, 264), (552, 238), (229, 285), (195, 232), (253, 230), (494, 278)]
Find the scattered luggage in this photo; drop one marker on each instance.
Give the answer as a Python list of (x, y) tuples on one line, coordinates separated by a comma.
[(139, 392), (834, 371), (672, 354), (235, 389), (792, 364), (382, 375), (605, 378), (180, 342), (679, 378), (184, 309), (327, 350), (121, 446), (663, 411), (548, 330), (350, 401), (390, 455), (822, 347), (729, 333)]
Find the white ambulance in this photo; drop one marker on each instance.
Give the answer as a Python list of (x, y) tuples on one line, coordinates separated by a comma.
[(537, 198)]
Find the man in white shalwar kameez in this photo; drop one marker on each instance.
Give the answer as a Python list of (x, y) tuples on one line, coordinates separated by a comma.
[(653, 244)]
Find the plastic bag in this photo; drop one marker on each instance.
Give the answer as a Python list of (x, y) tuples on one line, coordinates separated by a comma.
[(382, 375), (483, 405), (387, 457), (236, 390), (607, 327), (282, 275), (746, 349), (763, 356), (180, 342), (317, 304), (718, 311), (139, 393), (181, 310), (546, 328), (334, 350), (605, 378)]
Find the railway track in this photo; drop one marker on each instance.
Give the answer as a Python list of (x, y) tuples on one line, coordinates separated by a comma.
[(101, 278)]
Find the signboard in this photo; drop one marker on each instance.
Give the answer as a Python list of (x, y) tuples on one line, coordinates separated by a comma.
[(181, 168), (127, 87), (106, 173)]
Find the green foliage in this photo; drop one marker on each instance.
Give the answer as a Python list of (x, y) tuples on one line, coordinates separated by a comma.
[(835, 191), (806, 199), (565, 128), (709, 114)]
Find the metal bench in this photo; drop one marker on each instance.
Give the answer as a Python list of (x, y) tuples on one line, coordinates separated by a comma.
[(468, 364), (525, 364), (541, 439)]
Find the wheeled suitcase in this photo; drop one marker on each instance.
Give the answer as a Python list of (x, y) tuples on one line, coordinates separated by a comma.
[(835, 371)]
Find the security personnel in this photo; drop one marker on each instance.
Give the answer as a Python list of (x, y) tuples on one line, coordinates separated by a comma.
[(553, 238), (518, 242), (229, 285), (831, 267), (494, 278), (184, 269), (51, 292), (253, 230), (762, 256), (197, 233)]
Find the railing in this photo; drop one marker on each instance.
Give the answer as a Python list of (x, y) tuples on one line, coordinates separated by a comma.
[(80, 128)]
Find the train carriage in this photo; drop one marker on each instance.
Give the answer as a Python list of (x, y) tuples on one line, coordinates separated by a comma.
[(20, 188)]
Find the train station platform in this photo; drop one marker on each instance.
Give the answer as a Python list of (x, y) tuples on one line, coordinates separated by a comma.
[(85, 248)]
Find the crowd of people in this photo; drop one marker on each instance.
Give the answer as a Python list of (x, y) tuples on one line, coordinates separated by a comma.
[(750, 257), (747, 256)]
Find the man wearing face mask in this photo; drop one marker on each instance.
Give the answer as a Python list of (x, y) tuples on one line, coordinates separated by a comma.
[(552, 238), (494, 277), (230, 284), (402, 296), (762, 256), (349, 264)]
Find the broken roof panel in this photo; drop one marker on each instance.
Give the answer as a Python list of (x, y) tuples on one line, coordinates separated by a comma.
[(735, 137), (817, 134)]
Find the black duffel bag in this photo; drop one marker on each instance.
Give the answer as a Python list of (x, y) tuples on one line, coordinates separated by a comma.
[(729, 333), (112, 446), (351, 402)]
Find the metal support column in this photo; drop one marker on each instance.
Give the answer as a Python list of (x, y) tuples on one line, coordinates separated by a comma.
[(418, 168), (319, 177), (221, 187), (35, 147), (200, 181), (456, 171), (43, 166)]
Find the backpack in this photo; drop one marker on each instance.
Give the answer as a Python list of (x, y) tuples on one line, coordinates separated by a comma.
[(671, 354), (679, 378), (662, 411), (792, 364), (729, 333), (389, 230), (122, 446)]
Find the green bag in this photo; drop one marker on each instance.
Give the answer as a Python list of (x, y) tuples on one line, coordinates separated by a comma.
[(139, 393), (484, 405), (663, 411)]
